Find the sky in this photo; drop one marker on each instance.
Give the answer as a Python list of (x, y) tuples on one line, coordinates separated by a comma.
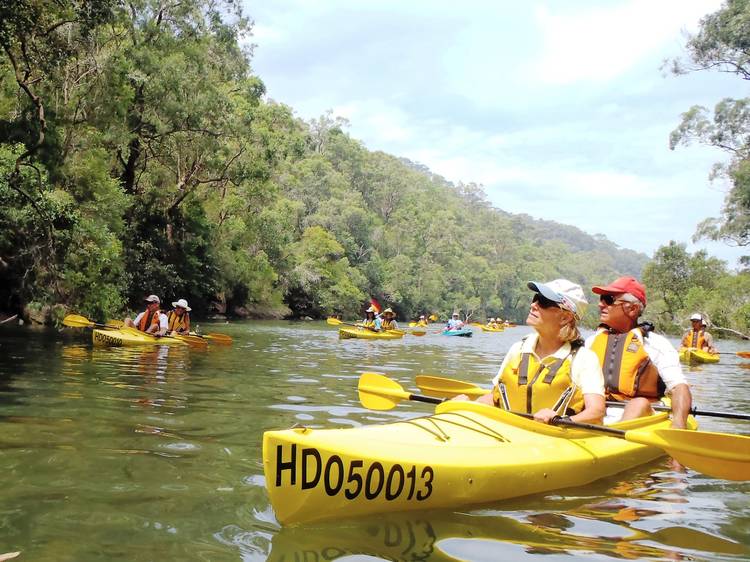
[(560, 110)]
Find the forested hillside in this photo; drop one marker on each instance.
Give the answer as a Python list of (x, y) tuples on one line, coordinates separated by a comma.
[(139, 154)]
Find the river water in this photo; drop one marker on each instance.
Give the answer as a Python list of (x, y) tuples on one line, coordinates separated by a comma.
[(155, 454)]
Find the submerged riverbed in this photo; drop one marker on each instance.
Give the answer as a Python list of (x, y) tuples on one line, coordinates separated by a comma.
[(155, 454)]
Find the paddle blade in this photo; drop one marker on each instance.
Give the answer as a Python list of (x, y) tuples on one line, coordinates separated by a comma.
[(221, 339), (378, 392), (447, 388), (719, 455), (333, 321), (744, 354), (77, 321), (418, 333), (433, 317), (194, 341)]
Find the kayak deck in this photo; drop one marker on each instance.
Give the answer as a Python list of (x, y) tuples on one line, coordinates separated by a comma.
[(463, 332), (363, 333), (692, 355), (466, 453), (127, 337)]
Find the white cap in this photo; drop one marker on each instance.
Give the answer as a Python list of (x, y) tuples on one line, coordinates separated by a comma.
[(182, 303), (696, 316), (567, 294), (371, 309), (153, 298)]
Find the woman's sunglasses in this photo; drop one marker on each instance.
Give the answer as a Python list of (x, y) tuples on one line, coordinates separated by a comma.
[(544, 302)]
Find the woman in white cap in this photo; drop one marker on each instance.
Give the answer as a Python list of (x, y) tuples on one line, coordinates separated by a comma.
[(371, 321), (697, 336), (549, 373), (178, 320), (422, 322), (152, 320)]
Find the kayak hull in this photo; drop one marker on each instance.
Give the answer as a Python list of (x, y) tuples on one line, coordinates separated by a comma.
[(692, 355), (488, 329), (466, 453), (463, 332), (129, 338), (363, 334)]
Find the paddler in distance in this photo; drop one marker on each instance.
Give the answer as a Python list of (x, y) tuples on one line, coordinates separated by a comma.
[(549, 373), (697, 336), (152, 320), (178, 319), (422, 322), (389, 320), (638, 365)]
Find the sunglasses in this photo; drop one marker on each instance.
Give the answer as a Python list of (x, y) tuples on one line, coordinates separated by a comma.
[(544, 302), (610, 300)]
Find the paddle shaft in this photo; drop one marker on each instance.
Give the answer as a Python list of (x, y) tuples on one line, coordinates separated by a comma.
[(695, 411)]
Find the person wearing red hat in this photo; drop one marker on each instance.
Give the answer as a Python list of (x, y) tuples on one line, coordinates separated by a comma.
[(639, 366)]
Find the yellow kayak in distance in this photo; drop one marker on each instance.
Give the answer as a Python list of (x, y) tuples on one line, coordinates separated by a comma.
[(693, 355), (365, 334), (466, 453), (489, 329), (127, 337)]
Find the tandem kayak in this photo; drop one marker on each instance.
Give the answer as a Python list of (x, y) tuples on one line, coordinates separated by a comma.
[(488, 329), (365, 334), (466, 453), (692, 355), (126, 337), (463, 332)]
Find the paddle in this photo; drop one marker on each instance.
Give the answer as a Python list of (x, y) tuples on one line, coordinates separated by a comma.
[(448, 388), (220, 339), (336, 322), (78, 321), (719, 455)]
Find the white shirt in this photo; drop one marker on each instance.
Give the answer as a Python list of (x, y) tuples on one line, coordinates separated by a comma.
[(163, 322), (662, 354), (586, 372)]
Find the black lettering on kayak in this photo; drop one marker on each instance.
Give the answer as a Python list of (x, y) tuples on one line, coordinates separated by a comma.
[(412, 475), (429, 474), (281, 466), (330, 489), (371, 494), (307, 484), (355, 479), (109, 340), (391, 495)]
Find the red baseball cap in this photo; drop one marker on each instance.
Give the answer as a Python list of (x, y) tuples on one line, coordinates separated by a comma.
[(623, 285)]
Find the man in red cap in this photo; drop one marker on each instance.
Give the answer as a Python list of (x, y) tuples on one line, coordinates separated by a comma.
[(638, 365)]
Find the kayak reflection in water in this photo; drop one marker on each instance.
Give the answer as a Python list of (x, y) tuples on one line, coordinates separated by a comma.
[(152, 320), (549, 373)]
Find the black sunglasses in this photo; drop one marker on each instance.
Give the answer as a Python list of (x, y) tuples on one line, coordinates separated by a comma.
[(544, 302), (609, 300)]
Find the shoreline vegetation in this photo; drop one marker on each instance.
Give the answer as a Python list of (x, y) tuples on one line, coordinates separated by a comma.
[(139, 154)]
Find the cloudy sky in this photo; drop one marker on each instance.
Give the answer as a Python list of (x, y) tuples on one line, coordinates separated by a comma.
[(559, 109)]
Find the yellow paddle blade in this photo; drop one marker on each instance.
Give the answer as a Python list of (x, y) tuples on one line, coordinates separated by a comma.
[(719, 455), (77, 321), (448, 388), (412, 324), (378, 392), (221, 339), (433, 317), (195, 341), (418, 333), (744, 354), (333, 321)]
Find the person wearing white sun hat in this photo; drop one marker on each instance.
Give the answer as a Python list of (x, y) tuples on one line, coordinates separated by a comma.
[(549, 373), (178, 320), (697, 336)]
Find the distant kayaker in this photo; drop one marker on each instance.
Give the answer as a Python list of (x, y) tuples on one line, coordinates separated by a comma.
[(371, 321), (697, 336), (178, 319), (422, 321), (454, 323), (550, 368), (639, 366), (389, 320), (152, 320)]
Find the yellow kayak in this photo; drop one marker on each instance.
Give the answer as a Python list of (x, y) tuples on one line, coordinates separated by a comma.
[(692, 355), (488, 329), (126, 337), (466, 453), (362, 333)]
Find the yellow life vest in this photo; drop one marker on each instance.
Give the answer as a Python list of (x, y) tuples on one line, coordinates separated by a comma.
[(387, 325), (368, 323), (422, 323), (531, 385), (628, 370), (178, 323), (149, 319), (694, 339)]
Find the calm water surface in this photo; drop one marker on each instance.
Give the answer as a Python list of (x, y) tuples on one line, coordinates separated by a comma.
[(155, 454)]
